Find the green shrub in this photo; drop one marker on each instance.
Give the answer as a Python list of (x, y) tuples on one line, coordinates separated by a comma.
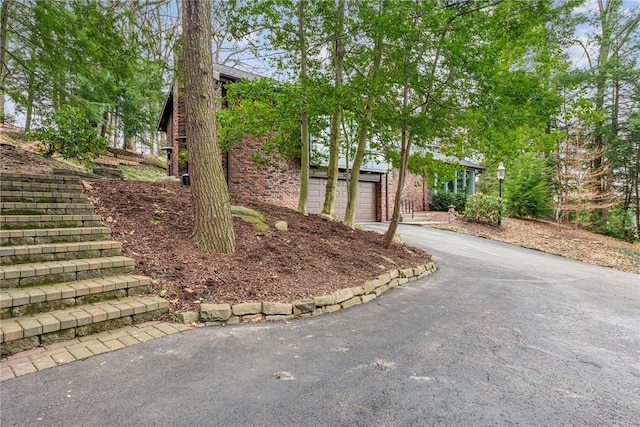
[(183, 157), (619, 225), (441, 201), (70, 133), (482, 208), (527, 188), (460, 201)]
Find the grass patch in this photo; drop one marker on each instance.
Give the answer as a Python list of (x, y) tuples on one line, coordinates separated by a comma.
[(142, 173)]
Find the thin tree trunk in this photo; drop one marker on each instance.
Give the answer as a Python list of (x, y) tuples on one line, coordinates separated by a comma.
[(30, 95), (328, 208), (213, 225), (405, 146), (363, 135), (114, 128), (305, 162), (606, 15), (352, 185), (103, 126), (402, 173), (4, 16), (636, 180)]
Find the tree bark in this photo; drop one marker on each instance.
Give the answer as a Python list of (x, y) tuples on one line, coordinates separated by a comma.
[(352, 185), (30, 95), (402, 173), (305, 162), (405, 147), (213, 225)]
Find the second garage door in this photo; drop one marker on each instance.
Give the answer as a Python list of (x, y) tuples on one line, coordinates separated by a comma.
[(366, 209)]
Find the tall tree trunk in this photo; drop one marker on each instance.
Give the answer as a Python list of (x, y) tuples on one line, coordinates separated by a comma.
[(636, 180), (305, 162), (153, 140), (30, 95), (352, 184), (105, 122), (213, 225), (405, 147), (4, 16), (363, 135), (607, 21), (114, 128), (402, 173), (336, 120)]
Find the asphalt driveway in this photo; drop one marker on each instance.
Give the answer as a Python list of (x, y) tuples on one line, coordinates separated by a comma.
[(499, 335)]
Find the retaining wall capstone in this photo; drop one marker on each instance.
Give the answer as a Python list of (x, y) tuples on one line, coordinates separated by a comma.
[(253, 312)]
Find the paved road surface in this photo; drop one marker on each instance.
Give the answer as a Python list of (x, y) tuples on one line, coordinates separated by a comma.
[(499, 335)]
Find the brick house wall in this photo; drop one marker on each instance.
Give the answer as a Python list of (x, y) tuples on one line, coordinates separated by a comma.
[(277, 184), (413, 190)]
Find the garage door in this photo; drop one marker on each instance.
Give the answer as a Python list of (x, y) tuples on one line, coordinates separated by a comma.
[(366, 209)]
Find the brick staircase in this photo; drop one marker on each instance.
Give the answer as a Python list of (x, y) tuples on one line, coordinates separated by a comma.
[(61, 275)]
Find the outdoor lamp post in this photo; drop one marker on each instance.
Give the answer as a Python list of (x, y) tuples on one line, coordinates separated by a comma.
[(501, 171)]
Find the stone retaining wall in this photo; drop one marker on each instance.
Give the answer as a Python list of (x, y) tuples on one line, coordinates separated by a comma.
[(252, 312)]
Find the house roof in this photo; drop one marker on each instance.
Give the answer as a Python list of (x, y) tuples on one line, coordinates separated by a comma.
[(377, 164), (167, 109), (233, 74), (454, 159), (222, 73)]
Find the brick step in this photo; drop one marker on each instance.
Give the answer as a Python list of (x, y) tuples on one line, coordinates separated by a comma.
[(23, 208), (43, 273), (39, 299), (17, 222), (43, 197), (53, 179), (58, 252), (17, 185), (53, 235), (22, 333)]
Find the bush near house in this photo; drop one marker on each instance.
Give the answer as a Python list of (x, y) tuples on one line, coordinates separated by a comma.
[(441, 201), (482, 208)]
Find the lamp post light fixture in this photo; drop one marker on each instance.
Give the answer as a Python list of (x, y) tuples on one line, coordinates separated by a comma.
[(501, 173)]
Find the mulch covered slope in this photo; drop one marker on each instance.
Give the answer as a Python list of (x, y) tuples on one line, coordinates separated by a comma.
[(313, 257)]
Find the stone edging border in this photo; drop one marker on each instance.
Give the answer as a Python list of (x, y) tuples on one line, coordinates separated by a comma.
[(253, 312)]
